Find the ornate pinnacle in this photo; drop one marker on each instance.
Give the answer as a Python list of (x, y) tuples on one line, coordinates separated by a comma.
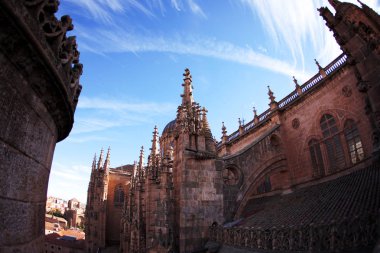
[(204, 118), (321, 70), (141, 158), (224, 130), (107, 161), (319, 66), (187, 96), (94, 163), (298, 87), (295, 81), (154, 148), (239, 121), (100, 161), (270, 93), (254, 112)]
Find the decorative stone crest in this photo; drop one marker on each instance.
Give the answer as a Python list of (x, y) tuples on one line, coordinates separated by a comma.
[(346, 91), (296, 123)]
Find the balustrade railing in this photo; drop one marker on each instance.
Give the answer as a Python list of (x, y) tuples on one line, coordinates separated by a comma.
[(348, 234), (335, 65)]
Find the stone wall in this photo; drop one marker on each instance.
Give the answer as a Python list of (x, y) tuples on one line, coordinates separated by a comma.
[(114, 210), (277, 150), (38, 96)]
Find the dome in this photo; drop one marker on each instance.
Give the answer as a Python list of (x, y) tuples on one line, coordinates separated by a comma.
[(169, 128)]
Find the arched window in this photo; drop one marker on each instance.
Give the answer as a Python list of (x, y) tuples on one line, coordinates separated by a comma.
[(355, 147), (118, 196), (316, 158), (265, 186), (332, 141)]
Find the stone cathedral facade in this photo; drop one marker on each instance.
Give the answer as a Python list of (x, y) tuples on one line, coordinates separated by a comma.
[(301, 176)]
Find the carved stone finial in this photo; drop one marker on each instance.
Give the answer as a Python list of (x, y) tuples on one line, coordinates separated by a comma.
[(321, 70), (319, 66), (187, 96), (224, 130), (271, 96), (254, 112), (298, 87), (154, 148), (239, 121)]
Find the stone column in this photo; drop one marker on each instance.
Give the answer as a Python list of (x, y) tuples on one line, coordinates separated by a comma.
[(39, 88)]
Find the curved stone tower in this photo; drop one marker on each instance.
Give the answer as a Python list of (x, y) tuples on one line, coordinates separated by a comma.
[(39, 89)]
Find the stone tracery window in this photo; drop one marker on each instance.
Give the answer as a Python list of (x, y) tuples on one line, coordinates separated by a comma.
[(118, 196), (332, 141), (316, 158), (230, 176), (355, 147)]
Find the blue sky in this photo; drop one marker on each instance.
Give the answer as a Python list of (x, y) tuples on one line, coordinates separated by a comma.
[(134, 53)]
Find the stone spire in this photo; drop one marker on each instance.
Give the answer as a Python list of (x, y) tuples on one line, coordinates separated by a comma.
[(141, 164), (100, 161), (106, 166), (206, 126), (224, 133), (94, 163), (224, 130), (141, 157), (298, 87), (187, 96), (154, 149)]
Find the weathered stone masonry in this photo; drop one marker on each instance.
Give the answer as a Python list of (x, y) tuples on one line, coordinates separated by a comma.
[(39, 90)]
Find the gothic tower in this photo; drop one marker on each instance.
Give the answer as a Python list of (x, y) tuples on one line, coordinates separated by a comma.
[(95, 226), (197, 184)]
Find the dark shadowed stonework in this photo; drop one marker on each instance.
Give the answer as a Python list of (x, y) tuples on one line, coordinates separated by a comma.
[(39, 89)]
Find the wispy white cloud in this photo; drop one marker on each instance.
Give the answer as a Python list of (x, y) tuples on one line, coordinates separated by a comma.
[(196, 9), (294, 24), (74, 172), (110, 104), (176, 5), (122, 41), (98, 114)]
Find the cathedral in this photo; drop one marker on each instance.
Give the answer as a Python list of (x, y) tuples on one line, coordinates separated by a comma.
[(301, 176)]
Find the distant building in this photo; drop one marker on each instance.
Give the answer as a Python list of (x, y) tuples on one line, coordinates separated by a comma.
[(55, 243), (74, 213), (54, 224), (302, 176), (53, 203)]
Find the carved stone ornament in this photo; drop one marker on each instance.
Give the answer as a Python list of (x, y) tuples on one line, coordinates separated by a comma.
[(296, 123), (346, 91)]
